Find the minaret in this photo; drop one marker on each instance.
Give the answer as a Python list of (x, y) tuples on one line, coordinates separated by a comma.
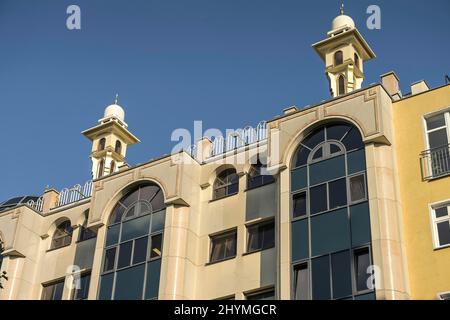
[(344, 52), (110, 139)]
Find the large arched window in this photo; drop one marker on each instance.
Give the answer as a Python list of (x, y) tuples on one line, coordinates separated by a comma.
[(118, 147), (338, 58), (226, 184), (62, 236), (330, 229), (341, 85), (132, 258), (101, 144)]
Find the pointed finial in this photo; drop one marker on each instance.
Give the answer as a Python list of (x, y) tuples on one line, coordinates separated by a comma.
[(116, 99), (342, 8)]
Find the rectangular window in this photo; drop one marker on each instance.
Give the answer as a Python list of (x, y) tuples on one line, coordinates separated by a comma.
[(86, 234), (81, 290), (140, 250), (223, 246), (301, 282), (53, 291), (267, 294), (261, 236), (110, 258), (438, 138), (156, 249), (337, 193), (362, 263), (441, 225), (299, 205), (357, 188), (318, 199), (125, 250)]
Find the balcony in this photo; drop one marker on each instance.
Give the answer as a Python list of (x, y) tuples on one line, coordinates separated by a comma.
[(435, 163)]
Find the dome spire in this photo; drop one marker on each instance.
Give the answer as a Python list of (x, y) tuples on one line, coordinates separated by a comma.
[(342, 9), (116, 99)]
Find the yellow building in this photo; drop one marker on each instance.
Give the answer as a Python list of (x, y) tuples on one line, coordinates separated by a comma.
[(345, 199)]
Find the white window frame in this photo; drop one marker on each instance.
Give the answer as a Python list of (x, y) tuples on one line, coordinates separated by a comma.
[(434, 221), (446, 113), (442, 294)]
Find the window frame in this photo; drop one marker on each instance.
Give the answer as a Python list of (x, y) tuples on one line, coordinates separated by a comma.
[(434, 222), (220, 235), (257, 224), (53, 283), (66, 236), (446, 112), (226, 185), (265, 179), (260, 291), (82, 274)]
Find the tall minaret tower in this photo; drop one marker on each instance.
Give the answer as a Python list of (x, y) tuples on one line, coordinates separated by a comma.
[(344, 52), (110, 139)]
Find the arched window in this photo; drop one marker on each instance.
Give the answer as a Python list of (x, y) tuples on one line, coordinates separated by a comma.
[(62, 236), (226, 184), (257, 176), (356, 60), (338, 58), (330, 220), (341, 85), (101, 144), (133, 248), (113, 167), (101, 168), (118, 147)]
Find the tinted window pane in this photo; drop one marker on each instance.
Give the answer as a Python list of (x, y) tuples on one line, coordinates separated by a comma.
[(318, 154), (337, 131), (140, 250), (255, 238), (341, 274), (441, 212), (320, 268), (438, 138), (153, 274), (436, 121), (130, 199), (158, 201), (356, 161), (269, 236), (117, 213), (357, 188), (82, 292), (367, 296), (135, 228), (110, 258), (362, 262), (444, 232), (112, 236), (314, 138), (129, 283), (158, 220), (327, 170), (318, 199), (106, 284), (301, 275), (300, 241), (233, 188), (334, 149), (125, 254), (330, 232), (299, 179), (360, 224), (268, 295), (337, 193), (353, 140), (302, 156), (148, 192), (156, 249), (299, 204)]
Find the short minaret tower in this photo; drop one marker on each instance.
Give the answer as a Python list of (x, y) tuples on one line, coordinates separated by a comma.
[(110, 139), (344, 52)]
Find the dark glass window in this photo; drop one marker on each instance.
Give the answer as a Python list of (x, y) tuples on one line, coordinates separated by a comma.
[(436, 121), (299, 204), (362, 263), (444, 232), (261, 236), (134, 238), (262, 295), (301, 287), (337, 191), (258, 177), (341, 85), (81, 290), (226, 184), (441, 212), (320, 269), (357, 60), (223, 246), (53, 291), (101, 168), (338, 58), (318, 199), (357, 188), (101, 144), (341, 274), (118, 147), (62, 236), (86, 233)]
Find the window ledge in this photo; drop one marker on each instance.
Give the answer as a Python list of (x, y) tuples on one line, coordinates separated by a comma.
[(224, 197), (263, 185), (53, 249), (222, 260), (446, 246), (256, 251)]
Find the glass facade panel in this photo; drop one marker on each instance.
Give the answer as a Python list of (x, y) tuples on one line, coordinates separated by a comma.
[(140, 250), (337, 193), (158, 220), (318, 199), (129, 283), (135, 228), (301, 288), (360, 224), (112, 235), (299, 205), (444, 233), (152, 284), (106, 286), (320, 268), (362, 263), (341, 274), (300, 240), (299, 178), (356, 161), (330, 232), (327, 170)]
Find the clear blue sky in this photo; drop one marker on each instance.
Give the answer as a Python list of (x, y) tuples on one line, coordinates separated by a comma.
[(228, 63)]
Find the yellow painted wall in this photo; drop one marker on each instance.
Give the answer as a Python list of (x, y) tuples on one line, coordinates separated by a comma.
[(429, 269)]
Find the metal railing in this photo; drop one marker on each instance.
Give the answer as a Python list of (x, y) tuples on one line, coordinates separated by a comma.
[(74, 194), (37, 204), (435, 162)]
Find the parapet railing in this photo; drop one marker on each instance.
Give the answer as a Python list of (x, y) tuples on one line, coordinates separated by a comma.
[(74, 194), (435, 162)]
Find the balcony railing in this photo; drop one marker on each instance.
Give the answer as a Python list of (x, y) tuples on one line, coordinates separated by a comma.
[(435, 162)]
